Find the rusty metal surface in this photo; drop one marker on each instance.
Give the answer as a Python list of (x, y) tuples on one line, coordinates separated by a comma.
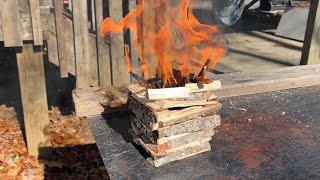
[(272, 135)]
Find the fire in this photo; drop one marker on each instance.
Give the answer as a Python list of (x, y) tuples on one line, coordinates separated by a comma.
[(167, 35)]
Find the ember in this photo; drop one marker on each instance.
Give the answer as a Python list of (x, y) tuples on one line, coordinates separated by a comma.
[(168, 37)]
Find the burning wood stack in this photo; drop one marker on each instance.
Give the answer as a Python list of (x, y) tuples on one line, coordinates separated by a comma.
[(174, 109), (174, 123)]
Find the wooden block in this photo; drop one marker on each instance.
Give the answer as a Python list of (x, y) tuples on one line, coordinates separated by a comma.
[(11, 25), (156, 119), (171, 143), (103, 53), (195, 98), (168, 93), (60, 33), (36, 22), (190, 126), (34, 100), (95, 100), (120, 75), (198, 87), (182, 154), (81, 42)]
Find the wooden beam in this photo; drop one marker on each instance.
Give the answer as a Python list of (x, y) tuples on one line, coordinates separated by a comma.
[(34, 100), (103, 50), (243, 83), (11, 25), (135, 59), (120, 75), (311, 46), (60, 33), (81, 43), (36, 22)]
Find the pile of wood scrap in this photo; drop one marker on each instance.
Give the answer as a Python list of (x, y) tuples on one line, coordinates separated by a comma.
[(174, 123)]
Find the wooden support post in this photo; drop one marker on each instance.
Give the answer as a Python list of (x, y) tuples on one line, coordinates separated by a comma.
[(103, 50), (81, 43), (11, 25), (36, 22), (120, 73), (311, 46), (34, 100), (135, 59), (60, 27)]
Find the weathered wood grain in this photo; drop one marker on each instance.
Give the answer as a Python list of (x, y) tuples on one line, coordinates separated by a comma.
[(34, 100), (95, 100), (103, 50), (120, 75), (60, 33), (36, 22), (81, 43), (11, 26)]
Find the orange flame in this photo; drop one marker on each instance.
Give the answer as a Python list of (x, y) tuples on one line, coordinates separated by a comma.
[(166, 34)]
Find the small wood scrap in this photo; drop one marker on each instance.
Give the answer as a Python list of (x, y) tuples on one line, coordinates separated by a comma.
[(95, 100), (171, 128)]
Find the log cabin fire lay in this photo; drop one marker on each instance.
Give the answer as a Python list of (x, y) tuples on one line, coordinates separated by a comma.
[(174, 109)]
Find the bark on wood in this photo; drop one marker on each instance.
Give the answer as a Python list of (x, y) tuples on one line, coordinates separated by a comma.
[(190, 126), (181, 154)]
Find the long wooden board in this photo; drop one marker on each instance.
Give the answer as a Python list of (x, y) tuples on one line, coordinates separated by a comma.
[(60, 28), (243, 83), (11, 26), (36, 22), (81, 43), (103, 50), (34, 100), (120, 74)]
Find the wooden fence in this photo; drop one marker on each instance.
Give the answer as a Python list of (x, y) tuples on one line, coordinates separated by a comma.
[(69, 35)]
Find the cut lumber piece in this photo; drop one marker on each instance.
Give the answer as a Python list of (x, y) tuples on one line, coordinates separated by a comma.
[(166, 104), (243, 83), (181, 154), (34, 100), (140, 94), (168, 152), (190, 126), (156, 119), (11, 25), (36, 22), (93, 101), (168, 93)]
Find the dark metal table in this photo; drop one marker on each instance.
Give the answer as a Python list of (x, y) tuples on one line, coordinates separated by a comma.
[(273, 135)]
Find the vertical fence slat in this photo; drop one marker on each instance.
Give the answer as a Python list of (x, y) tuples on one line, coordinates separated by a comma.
[(11, 25), (133, 52), (81, 42), (60, 28), (120, 74), (36, 22), (34, 100), (311, 46), (103, 53)]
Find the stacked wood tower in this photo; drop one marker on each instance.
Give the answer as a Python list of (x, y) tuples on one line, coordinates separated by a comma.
[(169, 128)]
